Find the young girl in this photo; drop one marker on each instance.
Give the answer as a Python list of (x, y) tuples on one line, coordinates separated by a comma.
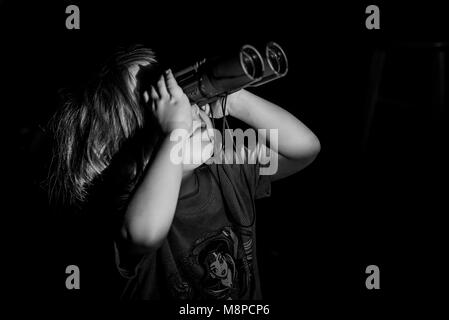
[(182, 229)]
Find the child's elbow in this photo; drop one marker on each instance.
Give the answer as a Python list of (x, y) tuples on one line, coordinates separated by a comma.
[(313, 150), (138, 233), (309, 148), (313, 143), (315, 147)]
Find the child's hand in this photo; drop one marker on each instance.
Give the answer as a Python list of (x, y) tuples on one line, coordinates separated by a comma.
[(170, 105), (215, 109)]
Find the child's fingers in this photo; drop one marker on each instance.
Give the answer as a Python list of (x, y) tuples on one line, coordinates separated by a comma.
[(154, 97), (172, 86), (163, 93), (146, 96), (154, 94), (154, 107)]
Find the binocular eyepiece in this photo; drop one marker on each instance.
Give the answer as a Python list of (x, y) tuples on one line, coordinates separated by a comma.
[(207, 80)]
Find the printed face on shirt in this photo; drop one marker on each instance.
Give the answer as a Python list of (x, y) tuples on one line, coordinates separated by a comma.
[(218, 266)]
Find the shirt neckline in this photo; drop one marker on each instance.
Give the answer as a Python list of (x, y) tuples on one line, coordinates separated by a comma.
[(202, 196)]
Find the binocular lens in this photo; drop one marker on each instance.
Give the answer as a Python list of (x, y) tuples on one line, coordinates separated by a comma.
[(206, 80), (252, 62), (276, 58)]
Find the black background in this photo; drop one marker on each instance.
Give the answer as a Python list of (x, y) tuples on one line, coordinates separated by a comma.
[(360, 203)]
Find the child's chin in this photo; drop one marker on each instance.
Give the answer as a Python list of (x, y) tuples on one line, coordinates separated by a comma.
[(195, 162)]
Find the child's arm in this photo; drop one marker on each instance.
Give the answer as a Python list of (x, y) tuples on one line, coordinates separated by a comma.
[(151, 209), (296, 147)]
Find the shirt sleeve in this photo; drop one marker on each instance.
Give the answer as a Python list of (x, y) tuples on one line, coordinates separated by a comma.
[(128, 257), (257, 171)]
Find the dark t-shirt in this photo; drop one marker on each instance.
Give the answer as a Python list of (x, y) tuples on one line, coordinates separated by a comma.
[(210, 250)]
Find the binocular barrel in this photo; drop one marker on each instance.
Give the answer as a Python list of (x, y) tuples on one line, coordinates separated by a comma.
[(277, 64), (207, 80)]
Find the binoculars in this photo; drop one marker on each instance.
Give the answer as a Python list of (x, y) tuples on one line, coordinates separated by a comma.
[(207, 80)]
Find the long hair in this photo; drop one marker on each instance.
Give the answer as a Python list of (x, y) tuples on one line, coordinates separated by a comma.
[(93, 123)]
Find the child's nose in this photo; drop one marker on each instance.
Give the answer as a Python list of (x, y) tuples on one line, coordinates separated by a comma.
[(206, 109), (195, 111)]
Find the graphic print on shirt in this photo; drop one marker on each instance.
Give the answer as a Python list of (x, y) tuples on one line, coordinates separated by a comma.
[(226, 270)]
